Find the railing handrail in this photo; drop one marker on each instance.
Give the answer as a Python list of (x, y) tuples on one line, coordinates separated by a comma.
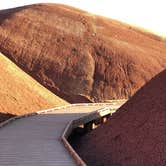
[(77, 104), (76, 123), (72, 124)]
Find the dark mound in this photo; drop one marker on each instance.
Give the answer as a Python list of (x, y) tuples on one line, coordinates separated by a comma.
[(135, 135), (79, 56)]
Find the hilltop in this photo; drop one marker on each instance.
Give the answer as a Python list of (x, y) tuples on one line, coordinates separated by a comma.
[(20, 93), (79, 56), (135, 134)]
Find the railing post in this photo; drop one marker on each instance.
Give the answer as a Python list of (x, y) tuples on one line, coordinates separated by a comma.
[(105, 118), (88, 126)]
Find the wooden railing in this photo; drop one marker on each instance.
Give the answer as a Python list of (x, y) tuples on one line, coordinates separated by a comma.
[(90, 118)]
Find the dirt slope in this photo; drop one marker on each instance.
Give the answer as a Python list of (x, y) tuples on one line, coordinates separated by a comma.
[(77, 55), (135, 135), (20, 94)]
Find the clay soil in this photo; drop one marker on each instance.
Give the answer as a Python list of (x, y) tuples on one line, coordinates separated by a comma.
[(20, 93), (135, 135), (80, 56)]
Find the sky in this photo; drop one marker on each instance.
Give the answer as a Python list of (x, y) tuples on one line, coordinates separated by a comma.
[(148, 14)]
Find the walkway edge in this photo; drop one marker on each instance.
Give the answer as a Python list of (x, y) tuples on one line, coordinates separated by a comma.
[(67, 145), (72, 124), (6, 122), (77, 122)]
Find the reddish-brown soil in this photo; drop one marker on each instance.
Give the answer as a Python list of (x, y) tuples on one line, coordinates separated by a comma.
[(20, 94), (79, 56), (135, 135)]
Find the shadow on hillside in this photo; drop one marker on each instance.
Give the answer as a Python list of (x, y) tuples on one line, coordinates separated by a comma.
[(4, 117), (70, 98)]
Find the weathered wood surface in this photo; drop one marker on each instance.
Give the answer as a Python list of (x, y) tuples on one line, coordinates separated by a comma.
[(35, 140)]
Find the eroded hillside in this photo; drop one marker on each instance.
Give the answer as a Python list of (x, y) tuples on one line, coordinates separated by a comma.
[(79, 56), (135, 134), (20, 94)]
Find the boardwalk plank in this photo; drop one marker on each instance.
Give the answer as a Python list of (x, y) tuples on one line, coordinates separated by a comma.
[(35, 140)]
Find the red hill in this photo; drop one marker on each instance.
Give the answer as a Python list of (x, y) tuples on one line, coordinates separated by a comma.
[(77, 55), (21, 94), (135, 135)]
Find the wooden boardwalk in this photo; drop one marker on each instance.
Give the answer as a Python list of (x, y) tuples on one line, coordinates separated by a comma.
[(35, 140)]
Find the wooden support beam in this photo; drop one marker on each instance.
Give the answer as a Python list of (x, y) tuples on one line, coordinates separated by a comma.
[(88, 126)]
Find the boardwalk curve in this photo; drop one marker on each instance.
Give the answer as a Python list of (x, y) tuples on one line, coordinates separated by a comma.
[(36, 140)]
